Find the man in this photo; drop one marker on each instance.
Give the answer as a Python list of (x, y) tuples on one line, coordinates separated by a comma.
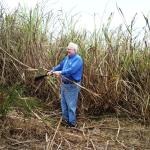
[(70, 70)]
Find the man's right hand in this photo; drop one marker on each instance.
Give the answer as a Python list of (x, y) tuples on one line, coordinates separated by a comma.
[(57, 73)]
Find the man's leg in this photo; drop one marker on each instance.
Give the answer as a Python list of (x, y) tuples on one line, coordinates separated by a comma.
[(71, 96), (64, 106)]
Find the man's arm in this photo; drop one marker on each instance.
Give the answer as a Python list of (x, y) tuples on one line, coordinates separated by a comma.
[(58, 67)]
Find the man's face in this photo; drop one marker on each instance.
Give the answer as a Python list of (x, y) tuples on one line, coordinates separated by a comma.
[(70, 51)]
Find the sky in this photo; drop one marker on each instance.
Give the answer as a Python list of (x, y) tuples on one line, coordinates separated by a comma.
[(87, 9)]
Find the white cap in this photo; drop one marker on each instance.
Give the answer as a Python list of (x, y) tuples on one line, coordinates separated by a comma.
[(72, 45)]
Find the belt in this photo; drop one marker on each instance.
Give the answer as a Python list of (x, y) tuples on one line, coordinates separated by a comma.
[(70, 82)]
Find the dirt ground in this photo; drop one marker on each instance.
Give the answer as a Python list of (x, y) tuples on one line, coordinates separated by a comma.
[(44, 131)]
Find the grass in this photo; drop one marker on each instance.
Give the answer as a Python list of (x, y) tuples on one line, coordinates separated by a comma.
[(116, 63), (12, 98)]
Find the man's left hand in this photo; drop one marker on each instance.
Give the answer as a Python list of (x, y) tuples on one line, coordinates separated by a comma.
[(57, 73)]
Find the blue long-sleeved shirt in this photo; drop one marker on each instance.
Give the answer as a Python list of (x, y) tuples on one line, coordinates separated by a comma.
[(71, 67)]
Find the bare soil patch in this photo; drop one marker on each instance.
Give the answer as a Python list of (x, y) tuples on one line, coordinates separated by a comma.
[(44, 131)]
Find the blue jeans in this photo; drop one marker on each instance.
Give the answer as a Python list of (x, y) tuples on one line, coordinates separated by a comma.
[(69, 98)]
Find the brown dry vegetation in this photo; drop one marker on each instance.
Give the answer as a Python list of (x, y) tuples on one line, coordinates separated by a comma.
[(116, 80)]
